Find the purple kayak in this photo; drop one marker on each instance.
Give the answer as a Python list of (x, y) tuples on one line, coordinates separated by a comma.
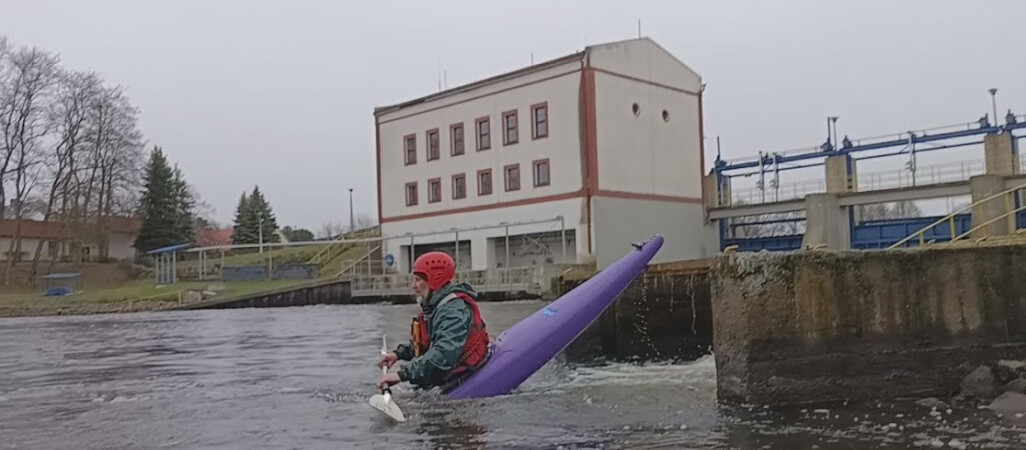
[(525, 347)]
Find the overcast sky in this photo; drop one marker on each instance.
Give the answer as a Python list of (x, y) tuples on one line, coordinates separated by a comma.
[(219, 82)]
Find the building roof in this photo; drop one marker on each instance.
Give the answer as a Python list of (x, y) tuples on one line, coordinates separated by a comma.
[(581, 55), (54, 229)]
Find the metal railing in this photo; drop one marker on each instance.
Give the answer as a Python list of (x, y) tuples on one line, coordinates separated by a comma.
[(1007, 195), (528, 279), (924, 175), (355, 267)]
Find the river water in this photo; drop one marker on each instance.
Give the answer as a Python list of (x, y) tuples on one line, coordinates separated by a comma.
[(301, 377)]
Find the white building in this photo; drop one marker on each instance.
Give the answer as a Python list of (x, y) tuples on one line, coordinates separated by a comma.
[(608, 138)]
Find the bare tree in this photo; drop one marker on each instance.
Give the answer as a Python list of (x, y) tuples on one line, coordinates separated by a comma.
[(74, 91), (330, 230), (31, 75), (882, 211)]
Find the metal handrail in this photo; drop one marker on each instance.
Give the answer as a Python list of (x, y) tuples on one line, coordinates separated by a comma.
[(951, 217), (1006, 215)]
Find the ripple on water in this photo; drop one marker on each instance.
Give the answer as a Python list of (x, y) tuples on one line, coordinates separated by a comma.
[(301, 378)]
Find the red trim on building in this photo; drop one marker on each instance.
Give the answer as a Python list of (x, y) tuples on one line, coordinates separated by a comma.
[(701, 146), (655, 197), (489, 94), (526, 201), (377, 155), (650, 83)]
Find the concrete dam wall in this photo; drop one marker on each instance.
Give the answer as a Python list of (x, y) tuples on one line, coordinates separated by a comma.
[(665, 314), (819, 326)]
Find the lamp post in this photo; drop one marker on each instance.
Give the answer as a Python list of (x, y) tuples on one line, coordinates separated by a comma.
[(993, 102), (352, 223)]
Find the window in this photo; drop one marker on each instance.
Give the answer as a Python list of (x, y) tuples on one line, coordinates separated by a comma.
[(513, 177), (509, 127), (432, 145), (540, 121), (484, 182), (484, 133), (410, 145), (541, 172), (434, 190), (459, 186), (456, 138), (411, 193)]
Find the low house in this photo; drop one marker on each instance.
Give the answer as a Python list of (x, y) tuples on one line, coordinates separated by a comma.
[(67, 241)]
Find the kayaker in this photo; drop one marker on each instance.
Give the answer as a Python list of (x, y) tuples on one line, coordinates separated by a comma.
[(448, 337)]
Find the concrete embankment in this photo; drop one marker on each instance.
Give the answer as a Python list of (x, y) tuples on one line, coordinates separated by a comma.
[(819, 326), (333, 292)]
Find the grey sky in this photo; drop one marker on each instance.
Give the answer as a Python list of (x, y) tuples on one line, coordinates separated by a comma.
[(281, 93)]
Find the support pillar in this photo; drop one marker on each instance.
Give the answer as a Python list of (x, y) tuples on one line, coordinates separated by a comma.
[(1000, 159), (827, 223), (716, 191), (482, 253), (840, 174), (983, 186)]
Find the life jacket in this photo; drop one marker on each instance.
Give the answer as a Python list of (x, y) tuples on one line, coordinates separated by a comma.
[(475, 351)]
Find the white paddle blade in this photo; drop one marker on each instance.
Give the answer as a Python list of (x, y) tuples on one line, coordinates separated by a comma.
[(384, 403)]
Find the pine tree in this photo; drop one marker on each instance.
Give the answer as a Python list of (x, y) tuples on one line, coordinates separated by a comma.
[(253, 219), (243, 232), (263, 216), (166, 206)]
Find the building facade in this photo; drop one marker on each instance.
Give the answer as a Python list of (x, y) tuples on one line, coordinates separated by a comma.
[(566, 161)]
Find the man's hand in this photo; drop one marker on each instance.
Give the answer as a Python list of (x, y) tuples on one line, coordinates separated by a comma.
[(387, 360), (388, 380)]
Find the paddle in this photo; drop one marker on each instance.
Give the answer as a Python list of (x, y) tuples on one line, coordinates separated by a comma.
[(383, 401)]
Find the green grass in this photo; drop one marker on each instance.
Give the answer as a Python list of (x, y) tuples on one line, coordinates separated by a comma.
[(143, 295), (139, 295)]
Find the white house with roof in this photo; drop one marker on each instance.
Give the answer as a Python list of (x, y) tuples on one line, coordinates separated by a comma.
[(601, 148)]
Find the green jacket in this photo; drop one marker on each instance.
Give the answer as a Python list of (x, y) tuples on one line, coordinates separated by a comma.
[(449, 328)]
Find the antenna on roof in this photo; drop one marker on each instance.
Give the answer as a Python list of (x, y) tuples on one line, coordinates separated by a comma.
[(532, 58)]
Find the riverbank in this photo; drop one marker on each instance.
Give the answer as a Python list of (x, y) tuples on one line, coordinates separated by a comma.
[(132, 296)]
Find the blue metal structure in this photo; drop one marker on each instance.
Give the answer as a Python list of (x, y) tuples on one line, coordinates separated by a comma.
[(884, 233), (166, 263), (877, 234)]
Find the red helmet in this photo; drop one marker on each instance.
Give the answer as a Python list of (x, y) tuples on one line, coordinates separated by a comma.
[(437, 268)]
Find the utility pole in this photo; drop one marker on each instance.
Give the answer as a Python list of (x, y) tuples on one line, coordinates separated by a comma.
[(352, 223), (260, 232)]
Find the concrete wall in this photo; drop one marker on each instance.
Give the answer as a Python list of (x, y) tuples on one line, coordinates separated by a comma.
[(330, 293), (665, 314), (644, 153), (558, 86), (818, 326), (619, 222)]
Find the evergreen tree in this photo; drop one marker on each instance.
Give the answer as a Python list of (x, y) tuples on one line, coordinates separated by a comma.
[(166, 206), (244, 231), (253, 218), (264, 216)]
